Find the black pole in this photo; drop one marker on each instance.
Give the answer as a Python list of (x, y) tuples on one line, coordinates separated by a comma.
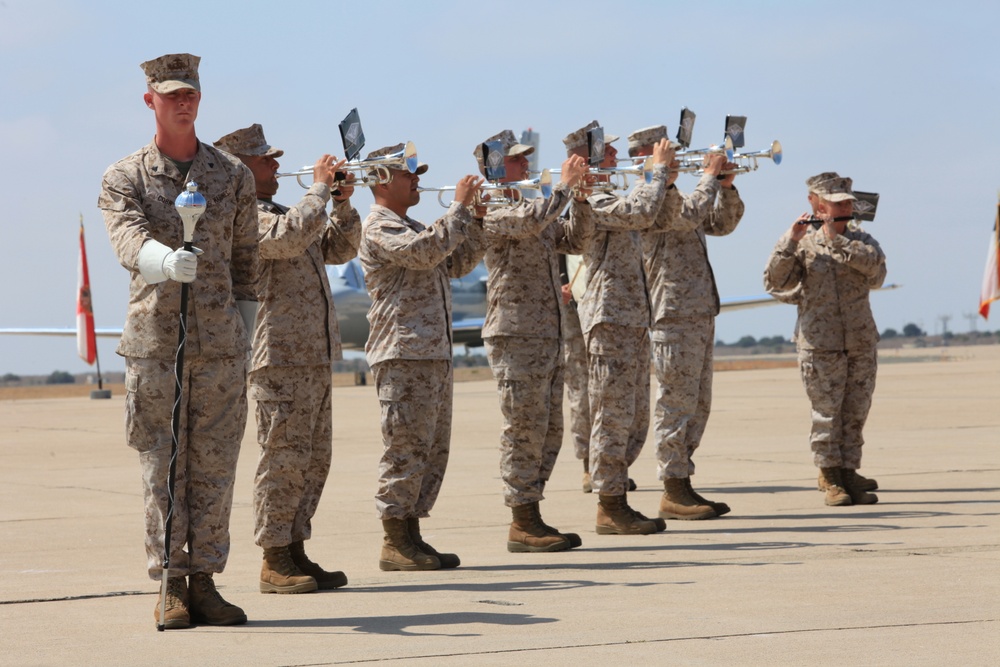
[(100, 380), (175, 427)]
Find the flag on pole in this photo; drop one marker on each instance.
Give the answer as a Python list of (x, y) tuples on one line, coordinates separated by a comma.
[(86, 339), (991, 279)]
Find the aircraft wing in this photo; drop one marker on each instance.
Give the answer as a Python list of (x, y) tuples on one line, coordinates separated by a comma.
[(742, 303), (58, 331), (347, 285), (468, 332), (759, 300)]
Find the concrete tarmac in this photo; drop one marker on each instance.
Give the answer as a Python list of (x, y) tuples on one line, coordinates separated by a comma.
[(782, 580)]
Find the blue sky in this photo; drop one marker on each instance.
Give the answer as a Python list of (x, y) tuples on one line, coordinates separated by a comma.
[(898, 95)]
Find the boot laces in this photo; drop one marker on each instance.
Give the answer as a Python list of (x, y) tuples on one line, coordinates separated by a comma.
[(206, 586), (287, 563)]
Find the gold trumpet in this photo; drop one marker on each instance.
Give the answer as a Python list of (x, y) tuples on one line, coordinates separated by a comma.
[(369, 172), (507, 194)]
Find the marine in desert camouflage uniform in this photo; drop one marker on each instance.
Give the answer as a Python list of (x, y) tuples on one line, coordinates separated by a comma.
[(685, 302), (828, 273), (137, 199), (615, 314), (522, 336), (407, 269), (296, 340), (575, 368)]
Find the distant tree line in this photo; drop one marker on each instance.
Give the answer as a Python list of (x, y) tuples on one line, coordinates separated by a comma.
[(911, 330)]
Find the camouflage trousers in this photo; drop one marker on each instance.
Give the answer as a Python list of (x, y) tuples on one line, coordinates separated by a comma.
[(295, 434), (839, 385), (682, 358), (416, 400), (575, 376), (529, 379), (618, 361), (213, 416)]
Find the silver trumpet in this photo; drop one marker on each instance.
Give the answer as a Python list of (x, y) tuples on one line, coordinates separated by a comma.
[(369, 172), (746, 162), (693, 160), (617, 177), (501, 194)]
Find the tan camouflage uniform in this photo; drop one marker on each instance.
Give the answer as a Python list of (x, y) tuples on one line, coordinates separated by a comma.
[(522, 334), (297, 339), (407, 269), (575, 377), (137, 199), (615, 314), (835, 333), (685, 302)]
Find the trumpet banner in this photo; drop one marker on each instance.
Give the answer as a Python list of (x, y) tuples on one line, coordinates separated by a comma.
[(86, 338), (991, 279)]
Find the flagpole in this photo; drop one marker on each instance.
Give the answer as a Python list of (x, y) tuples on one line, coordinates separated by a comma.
[(89, 337)]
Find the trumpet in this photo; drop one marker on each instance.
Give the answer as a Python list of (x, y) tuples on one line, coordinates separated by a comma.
[(617, 177), (369, 172), (746, 162), (507, 194), (692, 160), (750, 159)]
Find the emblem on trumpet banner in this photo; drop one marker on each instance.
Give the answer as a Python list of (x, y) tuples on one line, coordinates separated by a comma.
[(735, 127), (352, 135), (595, 146), (685, 129), (865, 205), (493, 164)]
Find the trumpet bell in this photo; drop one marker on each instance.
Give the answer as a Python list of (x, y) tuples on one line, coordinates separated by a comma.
[(410, 157), (545, 183), (776, 151)]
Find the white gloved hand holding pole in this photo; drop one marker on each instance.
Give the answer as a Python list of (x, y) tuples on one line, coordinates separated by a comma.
[(158, 262)]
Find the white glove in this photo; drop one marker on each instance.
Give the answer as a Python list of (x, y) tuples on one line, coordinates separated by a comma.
[(181, 265), (157, 263)]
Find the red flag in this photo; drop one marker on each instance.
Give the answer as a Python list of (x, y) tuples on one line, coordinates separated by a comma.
[(991, 279), (86, 339)]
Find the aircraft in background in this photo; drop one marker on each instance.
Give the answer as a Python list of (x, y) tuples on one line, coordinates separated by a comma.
[(347, 285)]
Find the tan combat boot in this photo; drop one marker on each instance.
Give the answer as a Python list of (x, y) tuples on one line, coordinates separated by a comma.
[(855, 489), (836, 496), (587, 486), (573, 538), (207, 606), (280, 574), (177, 616), (678, 503), (327, 581), (660, 524), (719, 507), (615, 517), (447, 561), (400, 553), (528, 534), (864, 483)]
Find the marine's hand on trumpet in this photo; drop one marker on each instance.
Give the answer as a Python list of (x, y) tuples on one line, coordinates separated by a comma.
[(479, 206), (672, 172), (717, 165), (345, 187), (663, 152), (466, 189), (585, 187), (573, 170), (325, 169)]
